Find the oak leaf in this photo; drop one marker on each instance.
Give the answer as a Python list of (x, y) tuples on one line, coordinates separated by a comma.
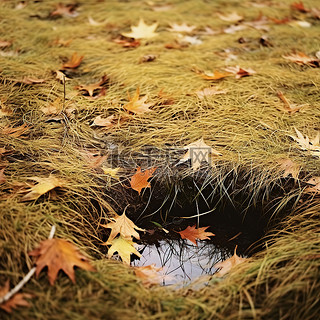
[(306, 144), (62, 10), (315, 183), (43, 186), (136, 105), (174, 27), (16, 300), (199, 151), (228, 264), (124, 247), (303, 59), (142, 31), (59, 254), (288, 107), (288, 167), (240, 72), (149, 275), (193, 234), (207, 92), (140, 179), (74, 62), (124, 226), (91, 88)]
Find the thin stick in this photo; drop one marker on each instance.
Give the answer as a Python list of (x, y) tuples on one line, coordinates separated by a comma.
[(28, 276)]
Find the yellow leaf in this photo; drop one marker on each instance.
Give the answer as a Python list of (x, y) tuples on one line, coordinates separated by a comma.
[(124, 247), (111, 172), (142, 31), (124, 226)]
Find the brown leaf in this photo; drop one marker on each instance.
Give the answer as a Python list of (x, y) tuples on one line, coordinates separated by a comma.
[(128, 42), (61, 76), (123, 225), (288, 167), (315, 182), (149, 275), (104, 122), (240, 72), (2, 176), (227, 265), (74, 62), (59, 254), (43, 186), (16, 300), (30, 80), (299, 6), (288, 107), (207, 92), (15, 132), (140, 179), (138, 105), (303, 59), (62, 10), (91, 88), (94, 159), (5, 44), (193, 234)]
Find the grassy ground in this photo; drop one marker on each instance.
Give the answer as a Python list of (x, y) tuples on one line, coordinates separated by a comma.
[(244, 124)]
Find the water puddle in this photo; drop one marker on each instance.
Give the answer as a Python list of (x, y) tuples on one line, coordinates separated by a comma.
[(181, 262)]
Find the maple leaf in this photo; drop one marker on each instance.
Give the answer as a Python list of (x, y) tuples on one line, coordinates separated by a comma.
[(306, 144), (61, 76), (56, 107), (299, 6), (288, 107), (231, 17), (174, 27), (216, 75), (189, 40), (288, 167), (65, 11), (90, 88), (111, 172), (5, 44), (128, 43), (207, 92), (59, 254), (198, 151), (17, 300), (99, 121), (149, 275), (137, 105), (123, 225), (15, 132), (44, 185), (302, 58), (124, 247), (94, 159), (192, 234), (140, 179), (227, 265), (74, 62), (142, 31), (240, 72)]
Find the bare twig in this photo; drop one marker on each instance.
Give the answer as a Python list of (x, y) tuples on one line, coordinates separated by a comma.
[(27, 277)]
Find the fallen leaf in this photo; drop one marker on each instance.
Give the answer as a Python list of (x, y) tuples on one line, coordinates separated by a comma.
[(193, 234), (235, 28), (21, 5), (123, 225), (2, 176), (288, 107), (128, 43), (112, 172), (299, 6), (288, 167), (59, 254), (94, 23), (216, 75), (231, 17), (227, 265), (62, 42), (16, 300), (43, 186), (315, 182), (240, 72), (30, 80), (74, 62), (5, 44), (15, 132), (142, 31), (94, 159), (199, 151), (56, 107), (306, 144), (63, 10), (315, 13), (207, 92), (190, 40), (148, 58), (124, 247), (136, 105), (161, 7), (103, 122), (90, 88), (11, 53), (184, 28), (303, 59), (280, 21), (149, 275), (4, 110), (61, 76), (140, 179)]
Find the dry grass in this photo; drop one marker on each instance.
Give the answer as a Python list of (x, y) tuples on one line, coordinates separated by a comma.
[(245, 125)]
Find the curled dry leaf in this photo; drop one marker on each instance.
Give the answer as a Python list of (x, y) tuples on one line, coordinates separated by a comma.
[(61, 76), (193, 234), (59, 254), (240, 72), (231, 17), (287, 106), (17, 300), (288, 167), (315, 182), (149, 275), (30, 80), (299, 6), (99, 121), (142, 31), (216, 75), (136, 105), (227, 265), (124, 247), (94, 159), (43, 186), (124, 226), (302, 59), (91, 88), (74, 62), (140, 179)]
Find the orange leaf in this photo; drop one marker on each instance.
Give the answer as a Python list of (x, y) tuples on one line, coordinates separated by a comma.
[(136, 105), (192, 234), (15, 132), (140, 179), (299, 6), (90, 88), (302, 58), (73, 63), (15, 301), (288, 107), (128, 43), (59, 254), (216, 75), (148, 274)]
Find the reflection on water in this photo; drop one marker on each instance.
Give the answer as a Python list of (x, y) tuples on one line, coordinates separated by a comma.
[(181, 262)]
